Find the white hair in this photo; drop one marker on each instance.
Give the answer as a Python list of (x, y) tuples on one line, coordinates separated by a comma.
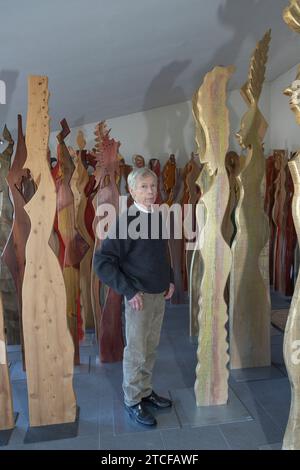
[(139, 173)]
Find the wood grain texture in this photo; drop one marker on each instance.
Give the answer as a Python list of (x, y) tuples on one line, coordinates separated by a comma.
[(106, 303), (211, 114), (249, 290), (6, 403), (290, 237), (7, 286), (49, 348), (271, 176), (291, 344)]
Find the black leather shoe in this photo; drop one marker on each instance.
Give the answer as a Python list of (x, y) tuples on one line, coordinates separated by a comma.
[(157, 401), (141, 415)]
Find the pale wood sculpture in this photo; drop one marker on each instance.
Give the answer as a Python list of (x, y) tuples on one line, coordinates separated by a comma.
[(292, 331), (106, 303), (6, 403), (211, 115), (138, 161), (75, 246), (290, 237), (82, 179), (291, 15), (7, 287), (49, 349), (291, 439), (279, 218), (249, 289)]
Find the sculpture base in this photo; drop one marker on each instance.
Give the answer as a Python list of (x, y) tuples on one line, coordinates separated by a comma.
[(191, 415), (5, 434), (52, 432)]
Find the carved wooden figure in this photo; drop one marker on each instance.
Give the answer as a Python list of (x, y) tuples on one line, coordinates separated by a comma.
[(279, 217), (75, 246), (271, 176), (6, 402), (292, 331), (7, 287), (290, 237), (106, 302), (249, 290), (211, 116), (49, 350), (169, 179)]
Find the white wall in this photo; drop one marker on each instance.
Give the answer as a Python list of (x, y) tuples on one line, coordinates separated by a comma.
[(170, 129), (285, 132)]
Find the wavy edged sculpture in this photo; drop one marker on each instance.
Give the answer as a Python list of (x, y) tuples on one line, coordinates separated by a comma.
[(106, 302), (6, 402), (49, 349), (290, 237), (292, 331), (291, 15), (249, 288), (74, 246), (212, 132), (7, 287)]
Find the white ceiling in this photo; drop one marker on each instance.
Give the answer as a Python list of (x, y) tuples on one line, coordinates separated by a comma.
[(107, 58)]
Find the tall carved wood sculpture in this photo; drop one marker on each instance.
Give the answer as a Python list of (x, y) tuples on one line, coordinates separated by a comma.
[(6, 403), (290, 236), (79, 185), (291, 439), (271, 176), (106, 302), (7, 288), (212, 124), (49, 350), (138, 161), (154, 165), (279, 217), (169, 179), (249, 290), (74, 246), (291, 16)]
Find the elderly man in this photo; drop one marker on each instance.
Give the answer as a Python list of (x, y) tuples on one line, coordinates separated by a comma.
[(139, 268)]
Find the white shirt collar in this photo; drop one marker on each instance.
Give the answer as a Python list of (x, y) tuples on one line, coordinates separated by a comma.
[(142, 208)]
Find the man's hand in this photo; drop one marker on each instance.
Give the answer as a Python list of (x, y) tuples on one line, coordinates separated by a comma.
[(170, 292), (137, 302)]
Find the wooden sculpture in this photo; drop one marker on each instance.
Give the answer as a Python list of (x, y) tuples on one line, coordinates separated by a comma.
[(7, 288), (232, 164), (249, 290), (290, 237), (212, 123), (279, 214), (154, 165), (291, 15), (74, 246), (6, 403), (138, 161), (106, 303), (169, 179), (292, 332), (80, 182), (271, 176), (291, 345), (49, 349)]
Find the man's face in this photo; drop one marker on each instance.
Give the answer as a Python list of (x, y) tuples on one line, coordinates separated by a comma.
[(145, 191)]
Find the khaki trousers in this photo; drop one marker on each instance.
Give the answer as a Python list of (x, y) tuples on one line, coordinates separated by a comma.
[(143, 329)]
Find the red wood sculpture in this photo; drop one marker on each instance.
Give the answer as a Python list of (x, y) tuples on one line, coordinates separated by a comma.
[(290, 236), (271, 175), (154, 165), (169, 179), (279, 216), (74, 246), (7, 288), (106, 302), (22, 189), (138, 161)]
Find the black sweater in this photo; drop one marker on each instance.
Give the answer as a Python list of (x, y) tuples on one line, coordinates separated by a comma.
[(129, 265)]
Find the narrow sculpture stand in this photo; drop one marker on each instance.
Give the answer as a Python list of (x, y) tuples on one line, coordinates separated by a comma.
[(49, 349), (6, 405), (291, 345), (249, 290), (212, 121)]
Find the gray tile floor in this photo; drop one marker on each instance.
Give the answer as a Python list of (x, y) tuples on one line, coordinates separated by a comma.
[(262, 397)]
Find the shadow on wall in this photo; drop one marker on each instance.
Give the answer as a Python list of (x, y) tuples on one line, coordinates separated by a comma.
[(9, 77), (162, 127)]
